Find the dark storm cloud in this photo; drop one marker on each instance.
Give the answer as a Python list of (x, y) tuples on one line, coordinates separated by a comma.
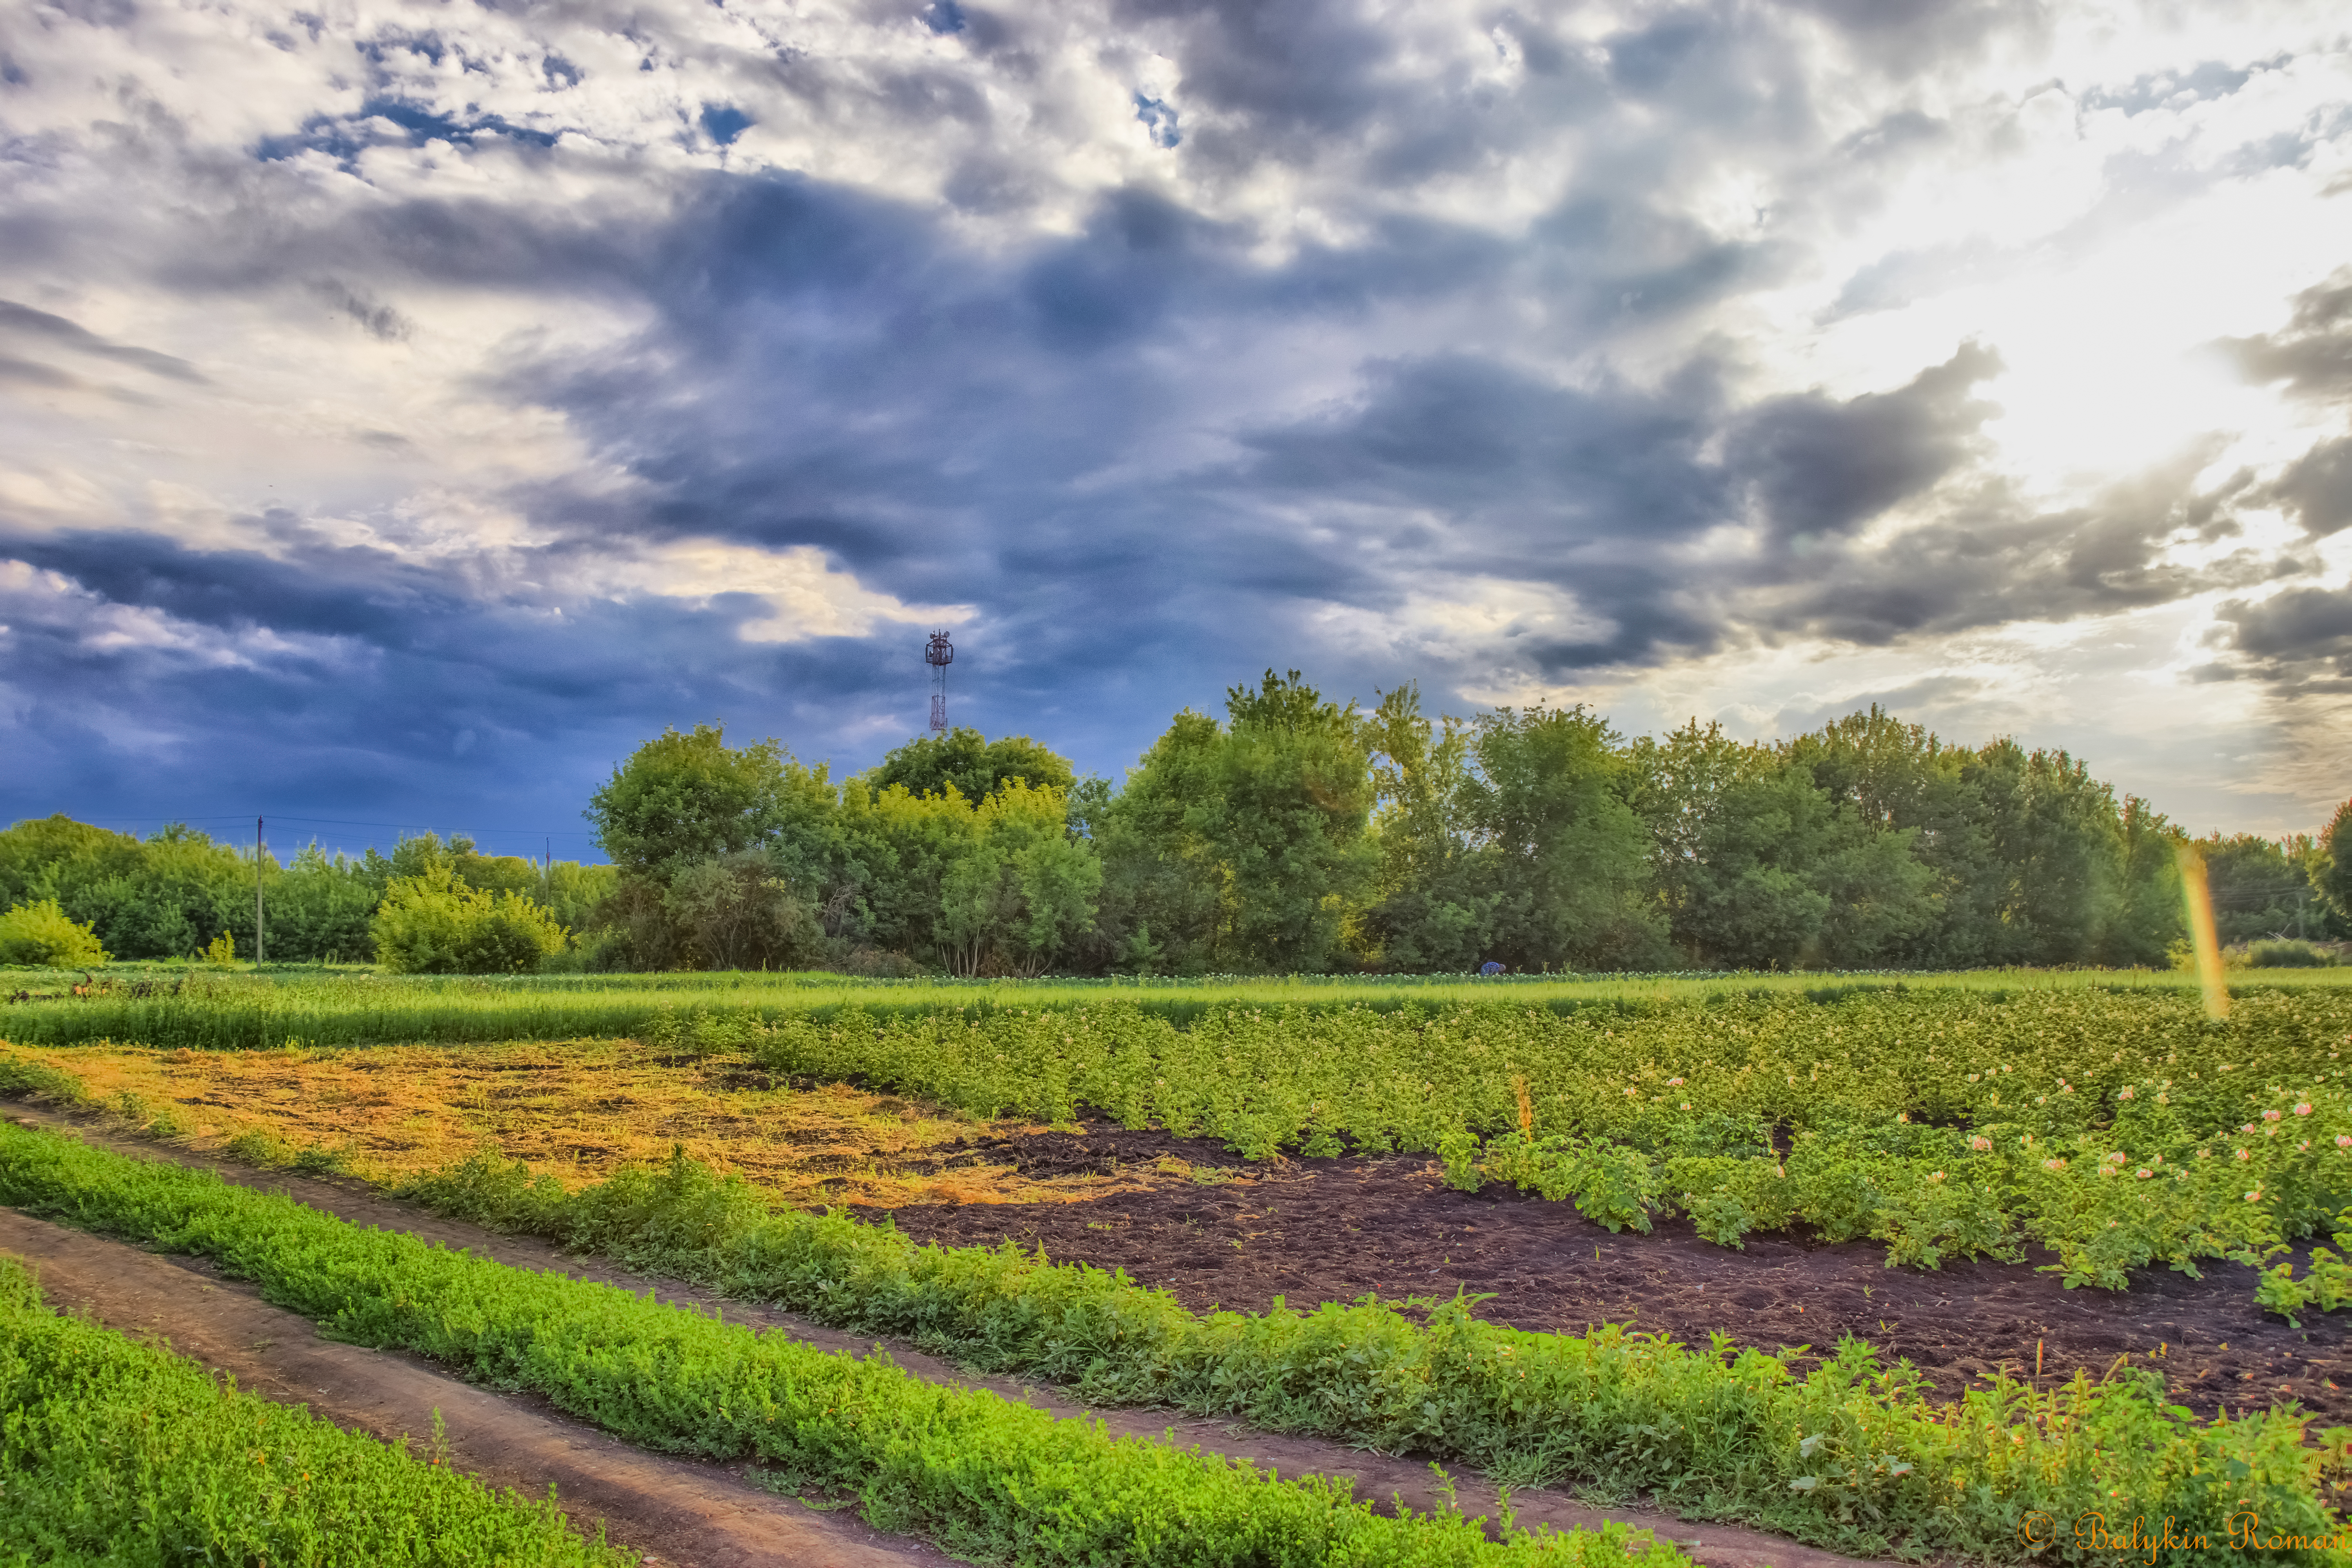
[(2312, 356), (1822, 467), (2300, 639)]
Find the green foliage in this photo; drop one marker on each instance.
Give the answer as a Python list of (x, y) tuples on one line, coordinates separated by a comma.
[(986, 1477), (2326, 1283), (970, 764), (123, 1453), (1244, 845), (2262, 887), (2288, 955), (1022, 891), (2329, 863), (435, 924), (39, 933), (680, 799)]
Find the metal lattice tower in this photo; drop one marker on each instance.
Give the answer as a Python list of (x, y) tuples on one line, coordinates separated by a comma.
[(938, 653)]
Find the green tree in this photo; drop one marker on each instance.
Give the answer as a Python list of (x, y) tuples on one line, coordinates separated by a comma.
[(976, 766), (435, 924), (1289, 824), (320, 909), (2259, 888), (1164, 888), (1426, 911), (1022, 889), (1559, 850), (1760, 866), (2331, 866), (40, 933), (681, 798), (2058, 838)]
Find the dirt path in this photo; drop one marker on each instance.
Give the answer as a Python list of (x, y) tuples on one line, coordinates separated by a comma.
[(1375, 1476), (674, 1511)]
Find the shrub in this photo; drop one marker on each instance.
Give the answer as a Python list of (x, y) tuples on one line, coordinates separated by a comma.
[(40, 933), (2289, 955), (435, 924)]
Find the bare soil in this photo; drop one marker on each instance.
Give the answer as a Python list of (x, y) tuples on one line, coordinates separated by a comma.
[(1311, 1231)]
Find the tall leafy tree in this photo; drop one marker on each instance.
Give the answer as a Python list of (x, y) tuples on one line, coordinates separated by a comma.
[(1290, 823), (1427, 909), (2331, 866), (1558, 849)]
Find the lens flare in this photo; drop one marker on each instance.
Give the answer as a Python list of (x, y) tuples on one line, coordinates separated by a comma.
[(2200, 902)]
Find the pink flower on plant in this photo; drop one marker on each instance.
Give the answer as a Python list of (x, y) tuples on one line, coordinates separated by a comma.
[(2124, 1093), (2271, 1115), (2143, 1172), (1981, 1145), (2303, 1108)]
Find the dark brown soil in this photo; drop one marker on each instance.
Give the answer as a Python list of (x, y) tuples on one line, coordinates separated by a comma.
[(1311, 1231)]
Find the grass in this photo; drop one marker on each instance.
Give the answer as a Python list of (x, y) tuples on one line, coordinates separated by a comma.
[(118, 1452), (170, 1006), (577, 1109)]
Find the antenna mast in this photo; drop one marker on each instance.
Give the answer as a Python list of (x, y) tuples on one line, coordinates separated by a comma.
[(938, 653)]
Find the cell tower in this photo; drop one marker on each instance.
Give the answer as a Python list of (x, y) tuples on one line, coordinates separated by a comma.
[(938, 653)]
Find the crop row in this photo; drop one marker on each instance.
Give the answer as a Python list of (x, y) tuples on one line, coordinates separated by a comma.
[(119, 1452), (205, 1010), (984, 1476)]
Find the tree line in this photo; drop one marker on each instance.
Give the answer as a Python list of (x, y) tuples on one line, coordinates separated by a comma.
[(1293, 834)]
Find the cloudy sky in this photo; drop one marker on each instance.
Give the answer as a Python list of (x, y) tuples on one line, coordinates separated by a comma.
[(410, 406)]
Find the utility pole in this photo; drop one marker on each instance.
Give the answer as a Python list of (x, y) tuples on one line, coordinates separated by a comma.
[(259, 848)]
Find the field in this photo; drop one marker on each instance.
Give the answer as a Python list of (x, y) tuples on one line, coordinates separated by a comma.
[(2009, 1182)]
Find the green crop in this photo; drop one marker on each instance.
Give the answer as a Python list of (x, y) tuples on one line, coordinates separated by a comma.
[(122, 1453), (985, 1477), (171, 1008), (2117, 1129)]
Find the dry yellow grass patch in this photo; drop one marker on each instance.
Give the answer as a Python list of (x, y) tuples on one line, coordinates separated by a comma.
[(578, 1110)]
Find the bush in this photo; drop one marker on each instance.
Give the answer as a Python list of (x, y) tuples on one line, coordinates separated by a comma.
[(40, 933), (435, 924), (2289, 955)]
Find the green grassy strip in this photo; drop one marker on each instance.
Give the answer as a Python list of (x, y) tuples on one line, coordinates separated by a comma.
[(125, 1454), (204, 1011), (985, 1477), (1851, 1455)]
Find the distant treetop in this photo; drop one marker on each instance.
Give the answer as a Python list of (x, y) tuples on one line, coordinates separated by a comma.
[(976, 766)]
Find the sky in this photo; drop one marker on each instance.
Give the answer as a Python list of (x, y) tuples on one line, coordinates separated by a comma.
[(407, 408)]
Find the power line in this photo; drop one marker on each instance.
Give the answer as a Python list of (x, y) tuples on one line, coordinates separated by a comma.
[(413, 825)]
